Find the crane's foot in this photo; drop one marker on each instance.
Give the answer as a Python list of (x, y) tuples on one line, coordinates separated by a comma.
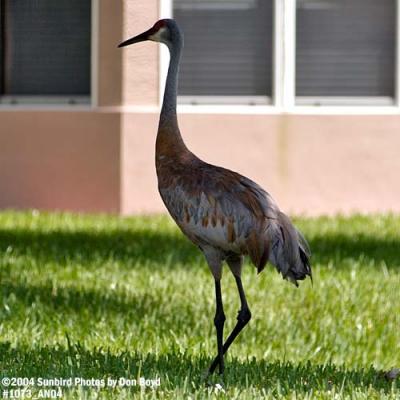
[(215, 382), (218, 387)]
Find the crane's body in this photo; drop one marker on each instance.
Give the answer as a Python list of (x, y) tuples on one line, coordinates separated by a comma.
[(227, 214), (224, 213)]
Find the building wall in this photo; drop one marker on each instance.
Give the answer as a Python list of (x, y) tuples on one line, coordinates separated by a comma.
[(140, 62), (101, 158), (60, 160), (311, 164)]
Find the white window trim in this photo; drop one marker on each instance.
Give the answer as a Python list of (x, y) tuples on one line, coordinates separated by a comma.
[(284, 78), (74, 102), (322, 101), (225, 100), (44, 100)]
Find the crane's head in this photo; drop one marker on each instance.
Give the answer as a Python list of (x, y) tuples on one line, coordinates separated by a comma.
[(163, 31)]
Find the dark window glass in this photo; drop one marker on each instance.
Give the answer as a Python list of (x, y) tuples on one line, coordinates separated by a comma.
[(345, 48), (45, 47), (228, 47)]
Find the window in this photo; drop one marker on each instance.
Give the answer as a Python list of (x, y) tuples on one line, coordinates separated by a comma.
[(296, 52), (228, 49), (345, 49), (45, 50)]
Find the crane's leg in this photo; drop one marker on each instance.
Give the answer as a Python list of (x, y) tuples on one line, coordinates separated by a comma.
[(219, 321), (244, 314), (214, 260)]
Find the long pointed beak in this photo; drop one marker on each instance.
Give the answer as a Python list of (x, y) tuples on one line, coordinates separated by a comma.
[(139, 38)]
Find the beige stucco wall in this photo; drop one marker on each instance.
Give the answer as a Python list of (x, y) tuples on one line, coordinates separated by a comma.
[(311, 164), (126, 76), (60, 160), (108, 65), (140, 62)]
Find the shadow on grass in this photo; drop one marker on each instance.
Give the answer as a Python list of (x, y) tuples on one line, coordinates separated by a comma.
[(338, 247), (176, 369), (140, 246), (85, 302), (86, 247)]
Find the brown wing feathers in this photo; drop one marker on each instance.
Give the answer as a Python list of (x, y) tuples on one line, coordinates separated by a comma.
[(258, 250)]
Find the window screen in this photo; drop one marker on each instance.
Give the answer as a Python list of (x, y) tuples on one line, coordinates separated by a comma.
[(45, 47), (345, 48), (228, 47)]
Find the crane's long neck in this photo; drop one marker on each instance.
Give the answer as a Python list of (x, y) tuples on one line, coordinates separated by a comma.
[(169, 137), (168, 110)]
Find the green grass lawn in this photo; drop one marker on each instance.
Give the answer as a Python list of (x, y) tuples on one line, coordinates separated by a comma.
[(101, 297)]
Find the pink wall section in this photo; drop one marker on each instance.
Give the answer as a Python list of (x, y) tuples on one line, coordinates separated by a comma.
[(60, 160), (138, 180), (310, 164), (140, 62), (104, 161)]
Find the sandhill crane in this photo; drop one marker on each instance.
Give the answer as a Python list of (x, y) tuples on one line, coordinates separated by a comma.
[(225, 214)]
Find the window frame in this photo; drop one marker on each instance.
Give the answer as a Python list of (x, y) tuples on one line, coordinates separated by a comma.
[(284, 98), (74, 101)]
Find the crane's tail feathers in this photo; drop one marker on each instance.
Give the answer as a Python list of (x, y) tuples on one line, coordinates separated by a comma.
[(288, 251)]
